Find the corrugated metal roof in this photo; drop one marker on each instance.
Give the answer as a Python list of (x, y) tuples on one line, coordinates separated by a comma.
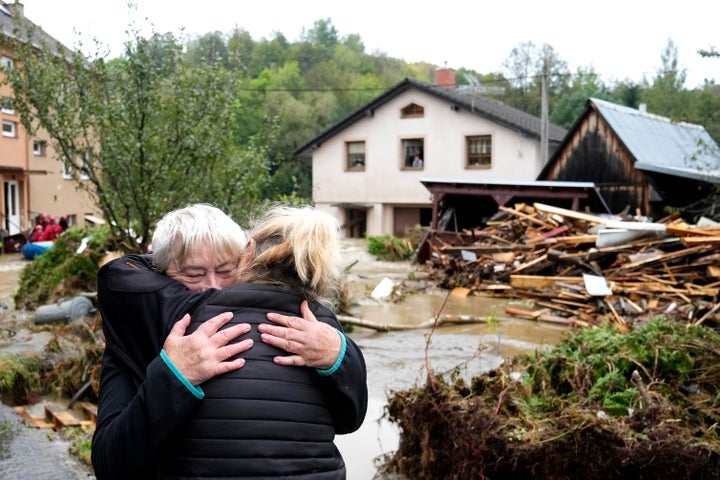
[(661, 145)]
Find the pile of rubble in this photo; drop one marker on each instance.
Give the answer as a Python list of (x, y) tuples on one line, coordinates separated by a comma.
[(582, 269)]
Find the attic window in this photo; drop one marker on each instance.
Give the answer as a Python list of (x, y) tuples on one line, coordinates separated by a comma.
[(412, 111)]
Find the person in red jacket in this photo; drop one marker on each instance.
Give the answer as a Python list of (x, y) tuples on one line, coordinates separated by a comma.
[(51, 231), (37, 233)]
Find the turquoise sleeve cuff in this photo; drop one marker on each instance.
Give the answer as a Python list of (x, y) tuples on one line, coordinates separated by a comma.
[(341, 356), (197, 391)]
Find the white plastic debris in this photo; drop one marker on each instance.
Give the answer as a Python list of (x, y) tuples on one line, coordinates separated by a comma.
[(383, 290)]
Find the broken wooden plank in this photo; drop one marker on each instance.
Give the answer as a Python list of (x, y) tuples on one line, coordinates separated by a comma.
[(527, 217), (90, 410), (489, 249), (659, 258), (539, 282), (699, 240), (60, 417), (544, 317), (570, 213), (707, 315), (552, 233), (33, 421), (532, 262), (685, 231)]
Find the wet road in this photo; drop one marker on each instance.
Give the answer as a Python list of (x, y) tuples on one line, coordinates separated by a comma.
[(395, 360)]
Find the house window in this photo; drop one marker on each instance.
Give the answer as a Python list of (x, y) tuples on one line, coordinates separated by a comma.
[(7, 105), (413, 153), (39, 147), (6, 62), (479, 151), (67, 168), (85, 169), (355, 155), (8, 128), (412, 111)]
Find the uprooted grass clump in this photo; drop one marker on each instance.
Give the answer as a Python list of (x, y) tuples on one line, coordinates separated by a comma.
[(69, 365), (388, 248), (61, 271), (602, 404)]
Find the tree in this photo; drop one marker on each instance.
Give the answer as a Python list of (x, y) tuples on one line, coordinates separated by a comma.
[(149, 131), (667, 96), (569, 106), (208, 49), (525, 67)]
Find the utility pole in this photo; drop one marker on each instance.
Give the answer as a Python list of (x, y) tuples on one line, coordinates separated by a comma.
[(544, 120)]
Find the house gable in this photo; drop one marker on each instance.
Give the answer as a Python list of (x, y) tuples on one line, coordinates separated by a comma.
[(369, 166), (593, 153)]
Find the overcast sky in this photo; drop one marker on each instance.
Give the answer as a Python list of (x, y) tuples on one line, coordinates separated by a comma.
[(621, 39)]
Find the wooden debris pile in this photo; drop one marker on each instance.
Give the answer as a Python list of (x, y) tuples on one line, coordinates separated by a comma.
[(57, 417), (583, 269)]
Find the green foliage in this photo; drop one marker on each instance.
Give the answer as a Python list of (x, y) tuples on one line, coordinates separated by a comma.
[(150, 131), (19, 377), (220, 118), (60, 270), (598, 363), (81, 449), (601, 403), (389, 248)]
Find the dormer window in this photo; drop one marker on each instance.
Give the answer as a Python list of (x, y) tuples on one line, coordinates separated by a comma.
[(412, 111)]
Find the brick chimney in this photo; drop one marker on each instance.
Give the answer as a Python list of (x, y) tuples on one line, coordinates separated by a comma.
[(17, 9), (445, 77)]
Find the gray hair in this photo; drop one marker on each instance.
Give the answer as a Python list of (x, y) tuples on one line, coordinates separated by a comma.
[(181, 230)]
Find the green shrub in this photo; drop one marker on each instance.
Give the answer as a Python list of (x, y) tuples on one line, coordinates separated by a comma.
[(390, 249)]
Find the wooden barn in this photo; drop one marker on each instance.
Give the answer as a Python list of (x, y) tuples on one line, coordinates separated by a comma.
[(637, 160)]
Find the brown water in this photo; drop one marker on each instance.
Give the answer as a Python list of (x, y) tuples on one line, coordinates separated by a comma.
[(395, 360)]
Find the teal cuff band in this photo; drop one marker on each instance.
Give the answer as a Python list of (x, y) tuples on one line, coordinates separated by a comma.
[(341, 356), (197, 391)]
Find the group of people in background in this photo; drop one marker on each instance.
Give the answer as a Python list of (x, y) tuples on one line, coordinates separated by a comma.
[(47, 228)]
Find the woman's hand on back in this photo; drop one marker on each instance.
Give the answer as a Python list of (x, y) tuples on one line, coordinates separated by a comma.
[(311, 343), (205, 353)]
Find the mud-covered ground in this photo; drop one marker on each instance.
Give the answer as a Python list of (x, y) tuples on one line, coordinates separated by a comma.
[(396, 360)]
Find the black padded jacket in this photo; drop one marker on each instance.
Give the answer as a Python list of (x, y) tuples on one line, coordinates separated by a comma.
[(266, 420), (143, 410)]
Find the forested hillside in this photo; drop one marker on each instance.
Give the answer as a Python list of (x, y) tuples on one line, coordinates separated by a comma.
[(218, 117)]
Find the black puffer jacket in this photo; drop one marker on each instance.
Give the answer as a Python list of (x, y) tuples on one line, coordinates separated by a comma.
[(266, 420), (142, 404)]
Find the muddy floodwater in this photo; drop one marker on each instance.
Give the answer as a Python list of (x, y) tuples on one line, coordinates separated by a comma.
[(395, 360)]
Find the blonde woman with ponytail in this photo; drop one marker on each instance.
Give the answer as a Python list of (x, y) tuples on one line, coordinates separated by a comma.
[(303, 381)]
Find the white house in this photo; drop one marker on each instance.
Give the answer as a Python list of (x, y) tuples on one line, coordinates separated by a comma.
[(367, 168)]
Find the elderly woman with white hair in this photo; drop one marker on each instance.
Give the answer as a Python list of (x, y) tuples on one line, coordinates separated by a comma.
[(272, 412)]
